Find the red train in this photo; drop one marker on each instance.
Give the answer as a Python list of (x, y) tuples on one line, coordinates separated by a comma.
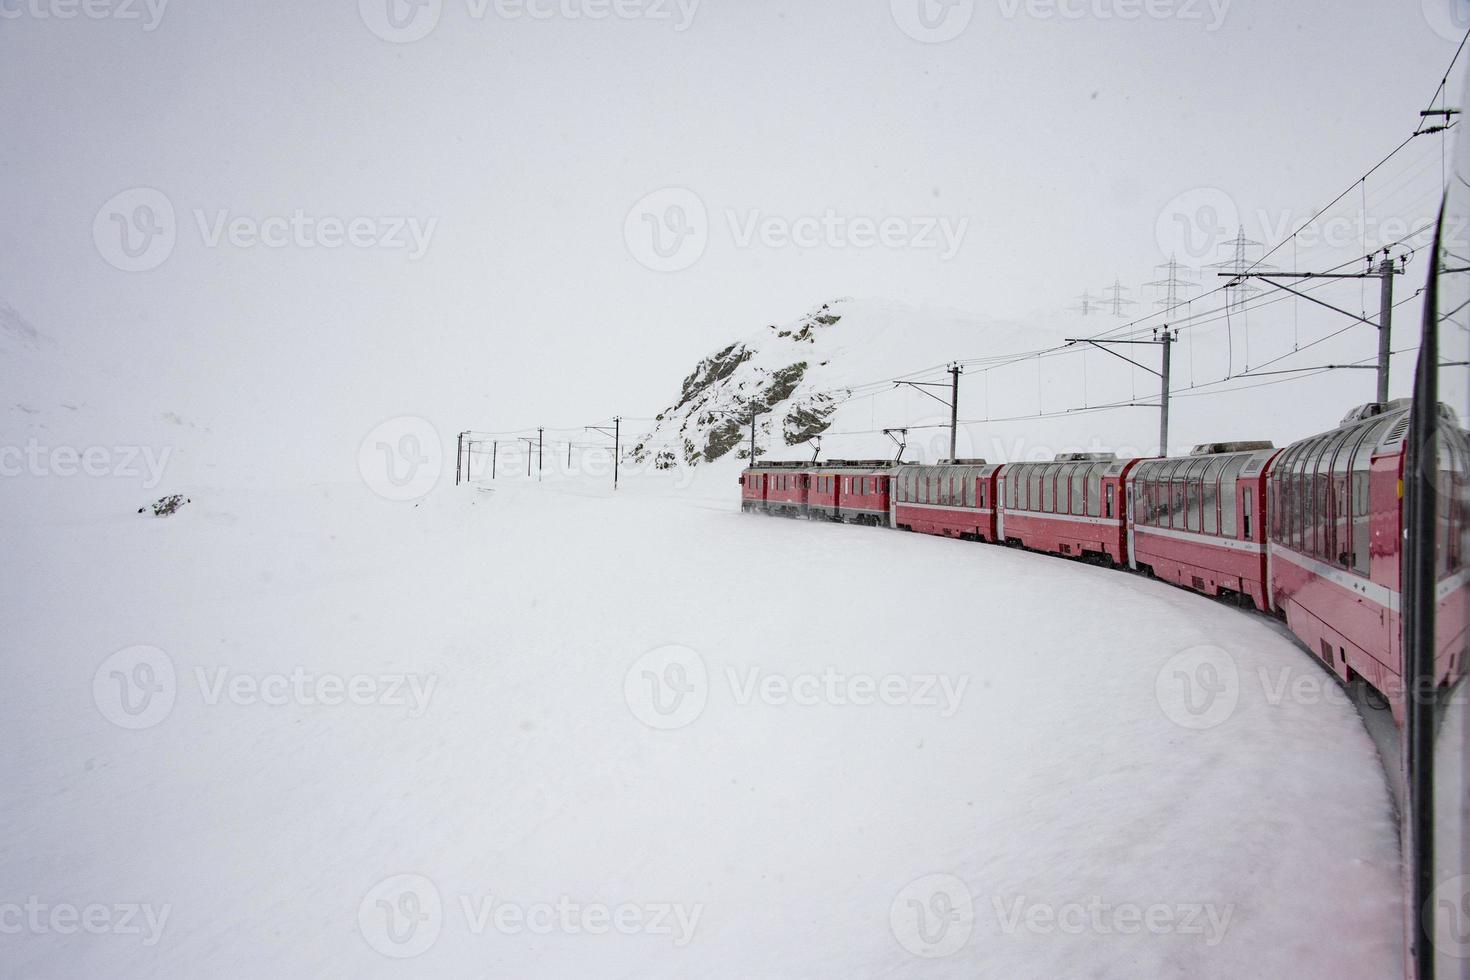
[(1311, 533)]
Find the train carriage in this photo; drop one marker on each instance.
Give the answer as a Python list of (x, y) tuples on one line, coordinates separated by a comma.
[(1071, 506), (851, 491), (955, 498), (776, 488), (1335, 513), (1195, 520)]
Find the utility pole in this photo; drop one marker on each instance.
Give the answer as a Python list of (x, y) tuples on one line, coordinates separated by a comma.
[(1383, 272), (530, 443), (616, 433), (1167, 339), (953, 404), (1162, 337), (569, 456), (540, 445), (1385, 323), (459, 459), (494, 452), (753, 414)]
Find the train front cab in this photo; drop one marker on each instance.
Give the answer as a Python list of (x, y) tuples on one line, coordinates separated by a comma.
[(1195, 520), (1335, 510), (753, 490), (1072, 506), (954, 498)]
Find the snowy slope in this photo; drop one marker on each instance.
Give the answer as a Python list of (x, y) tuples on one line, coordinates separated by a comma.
[(1044, 772)]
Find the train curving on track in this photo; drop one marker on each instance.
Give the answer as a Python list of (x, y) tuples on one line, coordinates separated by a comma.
[(1312, 533)]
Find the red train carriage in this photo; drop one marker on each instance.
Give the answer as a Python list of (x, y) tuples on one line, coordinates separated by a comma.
[(1195, 521), (851, 491), (955, 498), (776, 488), (1070, 506), (1335, 509)]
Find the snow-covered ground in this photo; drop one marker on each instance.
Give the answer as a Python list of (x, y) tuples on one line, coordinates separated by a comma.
[(567, 734)]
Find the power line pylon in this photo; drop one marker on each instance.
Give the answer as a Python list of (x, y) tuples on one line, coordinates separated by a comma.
[(1172, 285), (1239, 291), (1086, 305), (1117, 301)]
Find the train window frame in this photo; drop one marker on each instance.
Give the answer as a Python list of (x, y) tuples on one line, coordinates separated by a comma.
[(1108, 495), (1079, 489), (1296, 532), (1343, 473), (1094, 491), (1170, 472), (1230, 495), (1325, 485), (1210, 495), (1194, 492)]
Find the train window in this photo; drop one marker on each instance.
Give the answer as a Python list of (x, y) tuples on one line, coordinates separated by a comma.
[(1049, 489), (1094, 491), (1079, 478), (1295, 500), (1307, 518), (1325, 493), (1011, 482), (1195, 486), (1362, 470), (1110, 501), (1164, 480), (1342, 504), (1322, 497), (1229, 493), (1033, 488), (1442, 517), (980, 485), (1246, 515), (1210, 498)]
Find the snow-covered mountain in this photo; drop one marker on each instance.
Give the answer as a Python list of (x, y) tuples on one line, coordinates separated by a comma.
[(816, 377)]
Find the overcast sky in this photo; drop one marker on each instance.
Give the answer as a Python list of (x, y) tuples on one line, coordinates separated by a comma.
[(474, 239)]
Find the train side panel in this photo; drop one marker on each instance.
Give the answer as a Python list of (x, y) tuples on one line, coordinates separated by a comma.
[(1070, 507), (1196, 522), (955, 501)]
